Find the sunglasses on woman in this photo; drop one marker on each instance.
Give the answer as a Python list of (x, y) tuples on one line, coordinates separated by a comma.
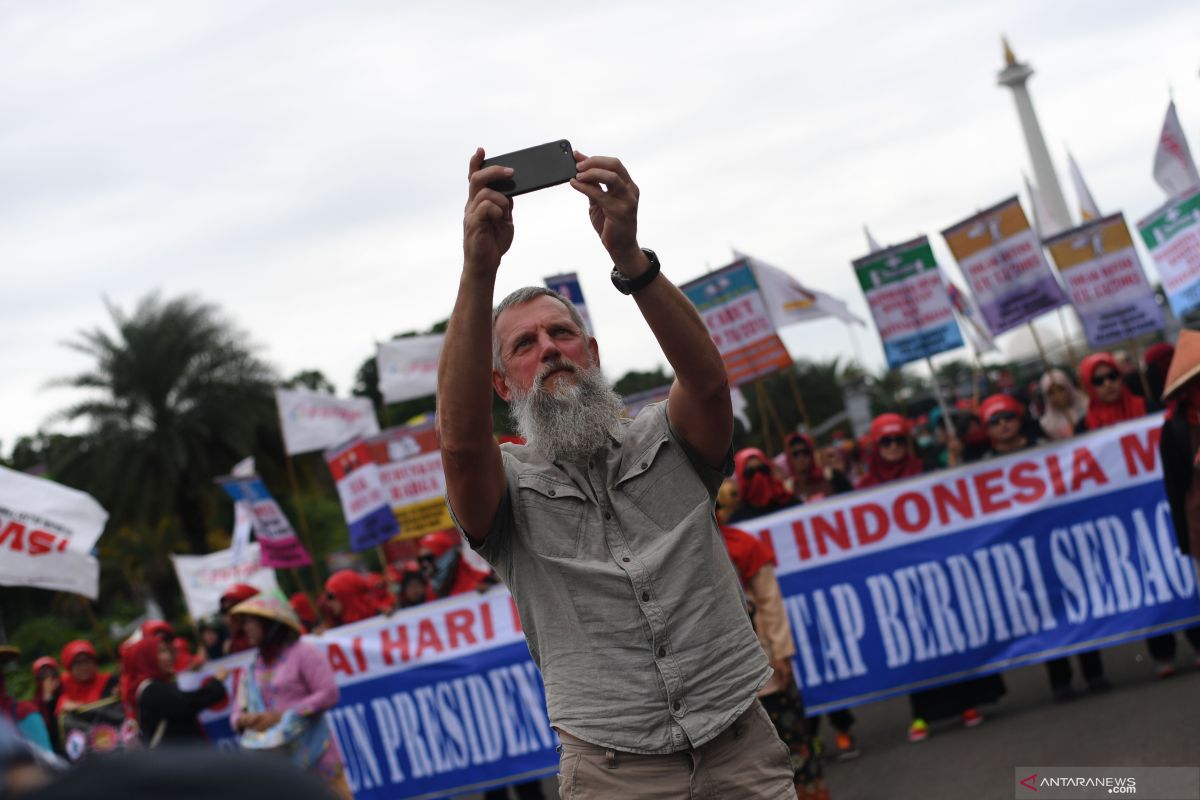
[(1001, 416), (892, 441), (801, 451), (1101, 378)]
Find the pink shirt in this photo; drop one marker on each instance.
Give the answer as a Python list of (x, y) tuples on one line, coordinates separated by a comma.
[(299, 679)]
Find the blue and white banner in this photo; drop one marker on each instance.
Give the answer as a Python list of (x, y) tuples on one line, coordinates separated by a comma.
[(1008, 562), (1060, 549), (365, 504)]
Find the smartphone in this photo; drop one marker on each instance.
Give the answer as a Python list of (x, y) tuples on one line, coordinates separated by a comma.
[(535, 168)]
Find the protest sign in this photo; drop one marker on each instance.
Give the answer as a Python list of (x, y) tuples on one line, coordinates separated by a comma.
[(408, 367), (903, 287), (733, 310), (1104, 276), (1172, 235), (369, 517), (410, 470), (1021, 559), (47, 532), (1001, 257), (281, 548), (436, 701), (205, 578), (314, 421), (568, 286)]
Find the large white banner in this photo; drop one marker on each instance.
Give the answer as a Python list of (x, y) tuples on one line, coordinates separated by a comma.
[(789, 302), (205, 578), (315, 421), (47, 533), (408, 367)]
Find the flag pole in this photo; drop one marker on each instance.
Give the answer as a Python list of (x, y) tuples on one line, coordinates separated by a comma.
[(799, 398), (941, 401), (1062, 321), (291, 471), (1037, 340)]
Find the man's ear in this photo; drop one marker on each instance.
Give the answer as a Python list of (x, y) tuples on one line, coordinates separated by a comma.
[(501, 387), (594, 349)]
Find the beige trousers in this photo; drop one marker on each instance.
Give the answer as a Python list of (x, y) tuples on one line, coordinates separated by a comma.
[(746, 761)]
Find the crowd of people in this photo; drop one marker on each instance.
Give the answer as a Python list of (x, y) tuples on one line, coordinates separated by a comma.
[(290, 685)]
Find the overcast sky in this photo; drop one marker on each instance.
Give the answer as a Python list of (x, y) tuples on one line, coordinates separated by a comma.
[(303, 164)]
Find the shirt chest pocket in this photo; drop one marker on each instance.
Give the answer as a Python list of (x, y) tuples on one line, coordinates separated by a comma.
[(553, 515), (662, 484)]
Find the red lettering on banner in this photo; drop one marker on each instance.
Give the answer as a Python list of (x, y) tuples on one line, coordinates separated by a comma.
[(1084, 467), (516, 618), (1024, 476), (16, 532), (337, 659), (1056, 476), (400, 645), (485, 613), (924, 513), (989, 490), (359, 657), (458, 623), (40, 542), (862, 525), (428, 639), (944, 499), (1139, 451), (801, 538), (823, 531)]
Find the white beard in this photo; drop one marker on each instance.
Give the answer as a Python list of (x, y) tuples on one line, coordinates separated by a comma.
[(565, 421)]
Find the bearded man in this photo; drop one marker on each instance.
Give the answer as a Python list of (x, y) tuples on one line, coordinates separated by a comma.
[(602, 527)]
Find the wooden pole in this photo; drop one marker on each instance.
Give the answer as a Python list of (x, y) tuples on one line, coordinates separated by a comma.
[(304, 537), (1037, 340), (941, 401), (1141, 368), (100, 636), (1062, 321), (763, 415), (799, 399)]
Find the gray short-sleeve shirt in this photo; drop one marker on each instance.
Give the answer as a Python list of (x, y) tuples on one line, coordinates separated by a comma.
[(630, 605)]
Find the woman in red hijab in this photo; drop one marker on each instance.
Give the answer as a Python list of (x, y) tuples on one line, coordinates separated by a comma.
[(446, 571), (165, 713), (809, 480), (1109, 399), (351, 597), (304, 610), (892, 454), (760, 491), (82, 683)]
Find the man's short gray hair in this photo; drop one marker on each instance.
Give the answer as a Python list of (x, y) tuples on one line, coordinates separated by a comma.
[(522, 296)]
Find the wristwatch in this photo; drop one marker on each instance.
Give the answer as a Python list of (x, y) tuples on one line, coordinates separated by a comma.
[(629, 286)]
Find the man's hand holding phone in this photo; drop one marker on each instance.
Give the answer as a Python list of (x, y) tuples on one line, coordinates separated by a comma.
[(487, 220), (612, 207)]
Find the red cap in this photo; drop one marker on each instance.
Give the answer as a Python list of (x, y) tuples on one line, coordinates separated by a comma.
[(888, 425), (157, 627), (998, 403), (238, 593), (75, 649), (43, 662)]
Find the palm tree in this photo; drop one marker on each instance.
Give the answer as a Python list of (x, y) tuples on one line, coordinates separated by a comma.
[(177, 398)]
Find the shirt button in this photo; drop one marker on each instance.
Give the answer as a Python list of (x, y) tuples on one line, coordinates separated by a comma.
[(644, 465), (607, 515), (677, 705), (645, 597), (662, 652), (552, 493), (625, 559)]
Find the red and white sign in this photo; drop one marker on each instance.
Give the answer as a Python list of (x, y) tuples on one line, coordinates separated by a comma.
[(47, 532)]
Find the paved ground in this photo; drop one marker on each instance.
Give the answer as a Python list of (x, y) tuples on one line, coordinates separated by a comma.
[(1141, 722)]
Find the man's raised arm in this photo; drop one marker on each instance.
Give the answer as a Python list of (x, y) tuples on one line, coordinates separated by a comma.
[(470, 456), (699, 407)]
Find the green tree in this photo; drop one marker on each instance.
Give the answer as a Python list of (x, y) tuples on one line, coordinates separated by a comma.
[(311, 379), (176, 398)]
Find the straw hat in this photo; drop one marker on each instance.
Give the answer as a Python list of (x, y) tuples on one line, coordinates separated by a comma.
[(270, 605), (1186, 363)]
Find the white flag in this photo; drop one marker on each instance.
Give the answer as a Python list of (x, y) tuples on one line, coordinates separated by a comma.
[(1045, 224), (205, 578), (47, 532), (738, 400), (1088, 210), (243, 517), (1174, 169), (314, 421), (408, 367), (787, 302)]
